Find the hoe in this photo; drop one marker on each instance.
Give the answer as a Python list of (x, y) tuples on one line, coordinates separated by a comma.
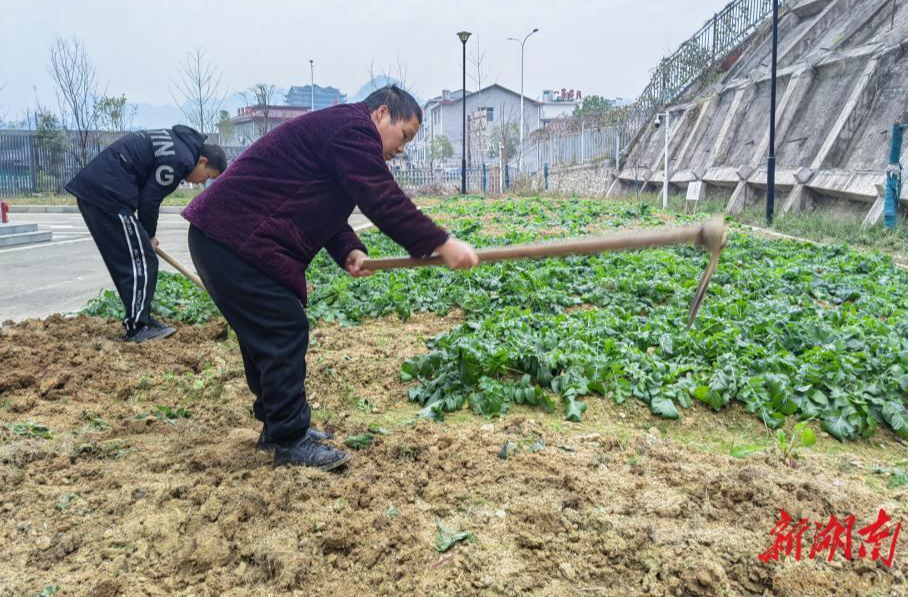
[(711, 235)]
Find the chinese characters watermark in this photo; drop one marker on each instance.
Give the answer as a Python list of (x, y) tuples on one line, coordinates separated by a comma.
[(878, 539)]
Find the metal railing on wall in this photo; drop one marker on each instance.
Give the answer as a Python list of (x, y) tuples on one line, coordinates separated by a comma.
[(693, 63), (33, 162), (485, 179)]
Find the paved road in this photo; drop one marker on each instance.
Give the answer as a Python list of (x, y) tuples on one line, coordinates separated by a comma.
[(60, 276)]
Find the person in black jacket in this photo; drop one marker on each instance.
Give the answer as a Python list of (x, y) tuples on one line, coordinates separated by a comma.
[(133, 175)]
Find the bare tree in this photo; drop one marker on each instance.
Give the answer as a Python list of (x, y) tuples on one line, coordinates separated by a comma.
[(478, 73), (506, 136), (199, 90), (374, 79), (77, 90), (394, 72), (226, 127), (262, 94), (371, 70), (401, 72), (51, 145)]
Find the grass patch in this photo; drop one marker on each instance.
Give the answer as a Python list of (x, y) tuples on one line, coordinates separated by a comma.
[(178, 198), (817, 225)]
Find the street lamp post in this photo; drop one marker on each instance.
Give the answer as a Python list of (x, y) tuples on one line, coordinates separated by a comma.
[(667, 115), (771, 161), (464, 36), (311, 85), (522, 43)]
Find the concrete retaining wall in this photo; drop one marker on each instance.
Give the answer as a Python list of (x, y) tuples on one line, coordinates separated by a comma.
[(842, 83)]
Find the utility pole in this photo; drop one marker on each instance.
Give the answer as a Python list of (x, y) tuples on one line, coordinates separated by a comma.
[(464, 36), (312, 85), (522, 43)]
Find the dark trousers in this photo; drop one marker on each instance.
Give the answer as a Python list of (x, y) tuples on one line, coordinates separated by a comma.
[(272, 329), (129, 257)]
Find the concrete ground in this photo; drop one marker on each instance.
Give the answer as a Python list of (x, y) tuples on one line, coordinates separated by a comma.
[(62, 275)]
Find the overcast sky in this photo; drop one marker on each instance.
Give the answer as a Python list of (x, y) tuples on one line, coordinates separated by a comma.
[(604, 47)]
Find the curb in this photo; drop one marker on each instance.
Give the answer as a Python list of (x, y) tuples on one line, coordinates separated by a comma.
[(69, 209)]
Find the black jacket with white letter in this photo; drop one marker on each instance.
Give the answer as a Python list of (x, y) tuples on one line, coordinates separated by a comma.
[(137, 171)]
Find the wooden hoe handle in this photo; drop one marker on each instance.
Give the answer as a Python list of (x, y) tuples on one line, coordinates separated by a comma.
[(179, 267), (709, 235)]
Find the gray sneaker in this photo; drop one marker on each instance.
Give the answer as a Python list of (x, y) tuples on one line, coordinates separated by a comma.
[(154, 323), (309, 452), (148, 333)]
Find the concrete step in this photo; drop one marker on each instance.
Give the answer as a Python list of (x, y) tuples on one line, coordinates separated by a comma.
[(24, 238), (6, 229)]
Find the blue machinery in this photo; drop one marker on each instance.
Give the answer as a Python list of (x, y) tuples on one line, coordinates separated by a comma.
[(894, 174)]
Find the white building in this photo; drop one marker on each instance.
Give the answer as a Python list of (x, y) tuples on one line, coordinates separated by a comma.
[(443, 115)]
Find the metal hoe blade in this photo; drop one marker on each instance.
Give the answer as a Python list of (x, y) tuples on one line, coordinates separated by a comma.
[(713, 238)]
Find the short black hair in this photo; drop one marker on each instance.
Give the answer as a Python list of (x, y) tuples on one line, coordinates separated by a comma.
[(401, 104), (217, 159)]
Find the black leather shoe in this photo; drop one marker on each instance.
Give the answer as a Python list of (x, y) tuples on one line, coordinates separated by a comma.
[(263, 444), (308, 452)]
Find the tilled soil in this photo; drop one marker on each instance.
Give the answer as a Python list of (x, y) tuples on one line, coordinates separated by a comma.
[(127, 498)]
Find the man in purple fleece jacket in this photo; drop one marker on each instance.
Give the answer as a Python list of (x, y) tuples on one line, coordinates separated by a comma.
[(255, 230)]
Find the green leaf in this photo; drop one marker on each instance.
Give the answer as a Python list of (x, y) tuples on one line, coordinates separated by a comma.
[(897, 417), (781, 440), (788, 406), (445, 539), (359, 442), (664, 407), (547, 402), (31, 430), (573, 409), (365, 405), (898, 480), (714, 399), (838, 427), (771, 419), (376, 429), (808, 438), (665, 342), (902, 380)]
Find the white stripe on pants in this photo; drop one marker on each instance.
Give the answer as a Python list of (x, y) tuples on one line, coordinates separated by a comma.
[(139, 267)]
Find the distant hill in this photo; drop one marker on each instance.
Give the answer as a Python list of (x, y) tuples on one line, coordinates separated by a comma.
[(376, 83), (150, 116)]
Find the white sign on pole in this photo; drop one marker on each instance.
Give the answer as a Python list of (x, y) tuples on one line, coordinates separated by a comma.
[(693, 190)]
